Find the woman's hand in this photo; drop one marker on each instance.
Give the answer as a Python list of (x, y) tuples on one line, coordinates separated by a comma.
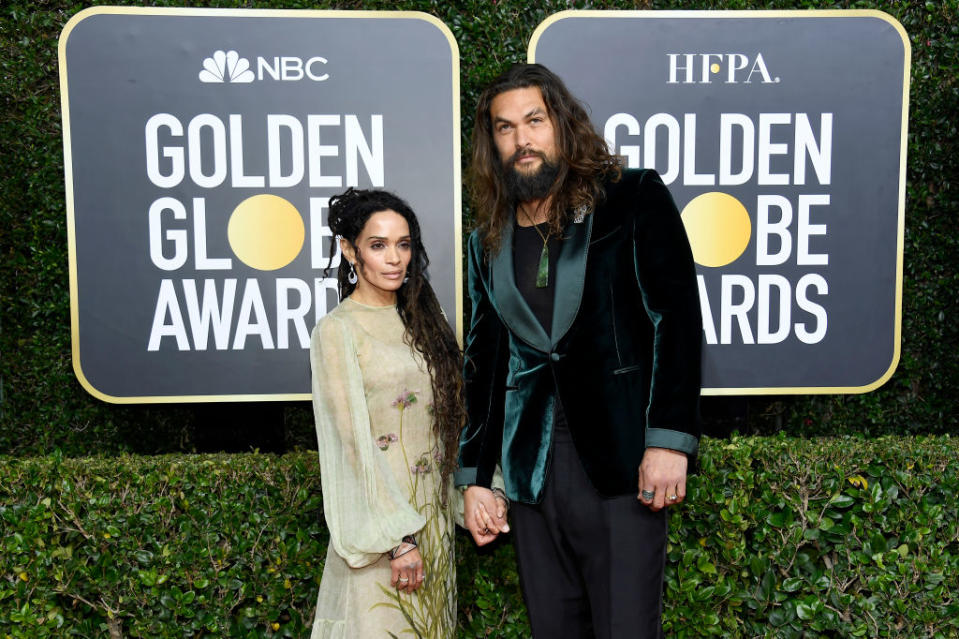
[(407, 571)]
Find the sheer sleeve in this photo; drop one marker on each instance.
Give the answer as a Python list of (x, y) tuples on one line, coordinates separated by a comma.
[(365, 511)]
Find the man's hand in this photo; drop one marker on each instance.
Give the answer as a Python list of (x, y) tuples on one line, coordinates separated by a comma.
[(484, 514), (662, 473)]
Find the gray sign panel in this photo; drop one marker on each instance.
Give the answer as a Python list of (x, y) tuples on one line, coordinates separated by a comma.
[(201, 148), (782, 138)]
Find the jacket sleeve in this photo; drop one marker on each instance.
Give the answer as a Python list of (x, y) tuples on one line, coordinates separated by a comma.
[(484, 373), (667, 280), (365, 511)]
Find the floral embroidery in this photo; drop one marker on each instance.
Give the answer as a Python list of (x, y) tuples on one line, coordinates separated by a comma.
[(384, 441), (405, 399), (422, 465)]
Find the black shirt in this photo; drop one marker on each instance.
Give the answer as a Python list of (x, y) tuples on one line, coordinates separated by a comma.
[(527, 249)]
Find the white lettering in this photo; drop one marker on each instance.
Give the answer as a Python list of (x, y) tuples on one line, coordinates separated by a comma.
[(286, 314), (167, 304), (709, 327), (690, 177), (672, 145), (819, 153), (767, 149), (309, 69), (803, 256), (759, 66), (726, 136), (218, 131), (201, 261), (802, 300), (674, 67), (630, 152), (177, 236), (236, 157), (172, 153), (210, 312), (274, 125), (764, 333), (316, 151), (734, 62), (247, 324), (728, 310), (357, 145), (765, 228)]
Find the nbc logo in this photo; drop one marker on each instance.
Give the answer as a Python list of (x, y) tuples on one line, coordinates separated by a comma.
[(226, 67)]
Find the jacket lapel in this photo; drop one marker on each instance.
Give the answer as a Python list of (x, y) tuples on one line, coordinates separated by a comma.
[(511, 304), (570, 275)]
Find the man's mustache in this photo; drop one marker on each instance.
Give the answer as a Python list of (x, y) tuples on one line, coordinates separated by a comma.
[(513, 159)]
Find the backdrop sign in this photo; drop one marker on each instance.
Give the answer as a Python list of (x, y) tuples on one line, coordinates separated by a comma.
[(201, 150), (782, 138)]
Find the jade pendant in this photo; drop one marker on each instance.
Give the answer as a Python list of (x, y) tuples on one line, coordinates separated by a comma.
[(542, 272)]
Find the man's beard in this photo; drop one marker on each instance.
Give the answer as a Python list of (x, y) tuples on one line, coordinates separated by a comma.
[(523, 187)]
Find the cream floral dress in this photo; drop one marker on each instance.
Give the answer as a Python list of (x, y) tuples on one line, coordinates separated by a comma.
[(379, 459)]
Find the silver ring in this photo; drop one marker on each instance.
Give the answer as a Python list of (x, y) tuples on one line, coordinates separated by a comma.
[(671, 498), (404, 579), (486, 531), (648, 494)]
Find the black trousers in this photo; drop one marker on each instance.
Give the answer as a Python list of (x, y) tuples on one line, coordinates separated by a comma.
[(590, 567)]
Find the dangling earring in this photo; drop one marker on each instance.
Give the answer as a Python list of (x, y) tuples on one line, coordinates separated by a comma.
[(351, 277), (407, 278)]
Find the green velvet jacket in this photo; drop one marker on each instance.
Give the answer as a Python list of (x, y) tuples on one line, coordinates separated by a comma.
[(623, 351)]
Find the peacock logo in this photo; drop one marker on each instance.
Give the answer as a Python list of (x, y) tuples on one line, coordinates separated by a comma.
[(226, 66)]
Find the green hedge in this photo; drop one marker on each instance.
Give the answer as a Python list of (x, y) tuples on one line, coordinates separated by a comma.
[(780, 537), (42, 406)]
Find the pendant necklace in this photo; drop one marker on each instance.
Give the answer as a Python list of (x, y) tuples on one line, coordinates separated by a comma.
[(542, 271)]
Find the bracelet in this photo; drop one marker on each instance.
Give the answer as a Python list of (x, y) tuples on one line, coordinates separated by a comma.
[(399, 551), (499, 492)]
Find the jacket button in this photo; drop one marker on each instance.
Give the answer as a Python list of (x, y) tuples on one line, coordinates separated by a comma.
[(554, 356)]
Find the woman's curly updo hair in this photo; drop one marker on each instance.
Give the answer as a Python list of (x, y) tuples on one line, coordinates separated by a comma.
[(427, 330)]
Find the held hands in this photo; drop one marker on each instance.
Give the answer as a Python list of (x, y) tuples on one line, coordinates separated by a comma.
[(407, 571), (662, 478), (484, 514)]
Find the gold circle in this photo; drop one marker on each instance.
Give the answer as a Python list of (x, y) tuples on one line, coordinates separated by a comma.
[(718, 228), (266, 232), (714, 67)]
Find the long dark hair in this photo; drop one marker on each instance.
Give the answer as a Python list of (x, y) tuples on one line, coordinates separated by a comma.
[(586, 161), (427, 330)]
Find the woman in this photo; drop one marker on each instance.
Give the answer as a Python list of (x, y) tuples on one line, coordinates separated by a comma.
[(387, 397)]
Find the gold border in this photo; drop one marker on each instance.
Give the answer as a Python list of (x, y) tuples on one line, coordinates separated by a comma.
[(243, 13), (907, 65)]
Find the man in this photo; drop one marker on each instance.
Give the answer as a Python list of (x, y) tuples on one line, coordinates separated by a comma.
[(582, 361)]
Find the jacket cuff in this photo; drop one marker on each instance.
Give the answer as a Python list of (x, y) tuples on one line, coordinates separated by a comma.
[(464, 477), (672, 439)]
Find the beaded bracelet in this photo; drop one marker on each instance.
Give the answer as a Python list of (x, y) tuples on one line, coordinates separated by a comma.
[(410, 542)]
